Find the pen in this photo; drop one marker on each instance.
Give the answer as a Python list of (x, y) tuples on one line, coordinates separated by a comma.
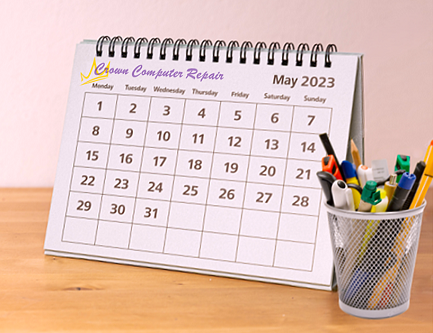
[(355, 154), (401, 192), (329, 149), (369, 196), (339, 193), (390, 186), (402, 163), (418, 172), (364, 174), (326, 180), (350, 175)]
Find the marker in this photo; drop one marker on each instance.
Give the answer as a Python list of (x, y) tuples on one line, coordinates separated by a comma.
[(329, 149), (401, 192), (364, 174), (402, 163), (369, 196), (418, 172), (383, 205), (355, 154), (339, 190), (349, 173), (390, 186), (326, 180), (330, 165)]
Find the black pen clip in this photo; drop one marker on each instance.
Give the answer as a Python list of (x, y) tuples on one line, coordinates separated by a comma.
[(355, 187)]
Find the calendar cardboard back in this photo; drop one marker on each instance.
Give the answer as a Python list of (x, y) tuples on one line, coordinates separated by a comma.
[(201, 165)]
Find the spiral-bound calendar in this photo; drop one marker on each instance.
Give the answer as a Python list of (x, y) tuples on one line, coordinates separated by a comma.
[(202, 157)]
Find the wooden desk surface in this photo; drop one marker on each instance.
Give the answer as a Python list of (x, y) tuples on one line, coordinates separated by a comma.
[(41, 293)]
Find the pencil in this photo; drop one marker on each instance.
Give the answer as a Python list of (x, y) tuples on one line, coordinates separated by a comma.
[(355, 154), (429, 152)]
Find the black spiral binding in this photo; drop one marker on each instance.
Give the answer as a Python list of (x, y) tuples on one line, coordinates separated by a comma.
[(206, 44), (112, 44), (229, 56), (300, 52), (176, 46), (152, 42), (162, 51), (202, 53), (189, 46), (137, 46), (216, 50), (124, 48), (316, 48), (257, 52), (271, 51)]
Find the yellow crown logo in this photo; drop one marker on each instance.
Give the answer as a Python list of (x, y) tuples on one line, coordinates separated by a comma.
[(97, 77)]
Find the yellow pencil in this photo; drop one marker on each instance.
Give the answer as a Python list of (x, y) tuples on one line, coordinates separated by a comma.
[(429, 152), (423, 185), (425, 180), (387, 280), (355, 154)]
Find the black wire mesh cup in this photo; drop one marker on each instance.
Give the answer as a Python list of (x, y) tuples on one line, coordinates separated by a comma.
[(374, 256)]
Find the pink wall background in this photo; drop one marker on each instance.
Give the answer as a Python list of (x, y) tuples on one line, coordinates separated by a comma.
[(38, 40)]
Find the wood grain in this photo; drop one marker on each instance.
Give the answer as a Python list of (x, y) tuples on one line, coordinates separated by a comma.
[(41, 293)]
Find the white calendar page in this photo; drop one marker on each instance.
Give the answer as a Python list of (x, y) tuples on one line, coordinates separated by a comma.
[(213, 175)]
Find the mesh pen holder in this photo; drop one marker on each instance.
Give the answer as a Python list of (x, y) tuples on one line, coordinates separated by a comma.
[(374, 256)]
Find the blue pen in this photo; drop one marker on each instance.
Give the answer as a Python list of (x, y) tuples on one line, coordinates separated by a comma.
[(356, 284)]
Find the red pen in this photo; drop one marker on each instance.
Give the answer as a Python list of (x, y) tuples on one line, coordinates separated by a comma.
[(330, 165)]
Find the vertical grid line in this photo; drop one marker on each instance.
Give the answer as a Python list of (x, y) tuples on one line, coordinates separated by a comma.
[(73, 165), (174, 173), (210, 177), (284, 182), (106, 167), (139, 172), (246, 182)]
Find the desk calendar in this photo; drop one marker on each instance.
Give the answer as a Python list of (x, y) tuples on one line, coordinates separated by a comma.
[(202, 164)]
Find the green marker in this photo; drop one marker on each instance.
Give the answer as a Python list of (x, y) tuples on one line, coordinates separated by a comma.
[(370, 196), (402, 163)]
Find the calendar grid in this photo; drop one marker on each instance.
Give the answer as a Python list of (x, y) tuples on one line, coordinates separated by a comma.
[(131, 201)]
